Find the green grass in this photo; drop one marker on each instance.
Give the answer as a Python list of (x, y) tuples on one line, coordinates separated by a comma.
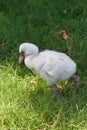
[(26, 101)]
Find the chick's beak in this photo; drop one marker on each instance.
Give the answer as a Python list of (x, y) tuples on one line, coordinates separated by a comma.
[(21, 58)]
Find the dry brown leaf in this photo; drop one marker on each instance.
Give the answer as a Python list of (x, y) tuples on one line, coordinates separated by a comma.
[(59, 86), (64, 34), (66, 82), (62, 87)]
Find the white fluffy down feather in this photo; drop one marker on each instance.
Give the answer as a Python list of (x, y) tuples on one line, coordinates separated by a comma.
[(53, 66)]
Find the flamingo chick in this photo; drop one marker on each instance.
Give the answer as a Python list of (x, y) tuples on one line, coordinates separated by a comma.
[(51, 65)]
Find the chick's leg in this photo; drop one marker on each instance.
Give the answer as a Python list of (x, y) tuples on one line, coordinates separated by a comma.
[(77, 82), (56, 90)]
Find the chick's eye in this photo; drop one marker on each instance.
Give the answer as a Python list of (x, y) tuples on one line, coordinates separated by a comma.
[(22, 53)]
